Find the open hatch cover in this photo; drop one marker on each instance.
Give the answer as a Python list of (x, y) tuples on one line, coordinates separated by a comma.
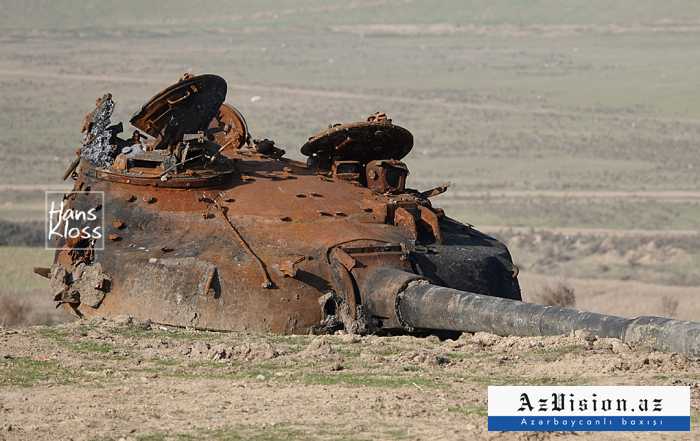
[(363, 141), (187, 106)]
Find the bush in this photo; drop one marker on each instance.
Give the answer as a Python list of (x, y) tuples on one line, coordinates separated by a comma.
[(558, 295), (13, 312), (28, 234)]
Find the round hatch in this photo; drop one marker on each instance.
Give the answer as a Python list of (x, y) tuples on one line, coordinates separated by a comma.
[(363, 142)]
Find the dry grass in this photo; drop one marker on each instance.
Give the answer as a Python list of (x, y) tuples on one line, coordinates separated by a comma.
[(558, 294), (13, 312), (662, 258), (30, 308), (669, 306)]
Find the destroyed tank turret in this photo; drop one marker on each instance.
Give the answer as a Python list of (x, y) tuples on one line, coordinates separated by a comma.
[(204, 227)]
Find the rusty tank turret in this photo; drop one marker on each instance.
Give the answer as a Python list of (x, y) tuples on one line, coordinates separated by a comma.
[(205, 227)]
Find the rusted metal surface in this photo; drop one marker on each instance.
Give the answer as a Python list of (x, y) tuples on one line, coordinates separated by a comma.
[(229, 129), (187, 107), (387, 176), (366, 141), (210, 229), (263, 271), (72, 167)]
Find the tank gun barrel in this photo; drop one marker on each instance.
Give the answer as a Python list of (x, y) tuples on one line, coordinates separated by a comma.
[(421, 305)]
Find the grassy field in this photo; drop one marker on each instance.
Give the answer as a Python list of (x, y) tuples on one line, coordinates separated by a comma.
[(593, 111), (535, 111), (16, 272), (487, 111), (619, 213), (72, 14)]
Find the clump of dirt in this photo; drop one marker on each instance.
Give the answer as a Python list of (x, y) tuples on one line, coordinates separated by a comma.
[(421, 357), (124, 379), (318, 348), (245, 352)]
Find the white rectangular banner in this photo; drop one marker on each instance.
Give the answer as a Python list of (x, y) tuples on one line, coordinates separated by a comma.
[(589, 408)]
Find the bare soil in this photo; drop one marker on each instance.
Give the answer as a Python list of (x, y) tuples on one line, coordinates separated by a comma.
[(116, 379)]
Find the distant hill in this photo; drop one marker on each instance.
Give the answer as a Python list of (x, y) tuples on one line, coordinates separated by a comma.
[(75, 14)]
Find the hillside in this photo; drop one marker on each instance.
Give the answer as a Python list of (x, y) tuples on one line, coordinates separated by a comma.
[(76, 14)]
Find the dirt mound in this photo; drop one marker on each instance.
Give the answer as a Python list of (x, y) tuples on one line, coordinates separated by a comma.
[(319, 347)]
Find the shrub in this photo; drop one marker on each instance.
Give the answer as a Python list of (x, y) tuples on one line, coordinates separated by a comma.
[(27, 234), (558, 295), (13, 312)]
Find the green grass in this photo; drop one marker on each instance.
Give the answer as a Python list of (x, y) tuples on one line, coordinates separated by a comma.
[(370, 379), (389, 350), (457, 356), (493, 379), (22, 372), (284, 432), (477, 127), (557, 353), (481, 410), (214, 370), (64, 340), (554, 354), (16, 271), (137, 332)]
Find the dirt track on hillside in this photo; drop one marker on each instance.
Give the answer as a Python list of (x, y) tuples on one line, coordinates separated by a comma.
[(354, 96)]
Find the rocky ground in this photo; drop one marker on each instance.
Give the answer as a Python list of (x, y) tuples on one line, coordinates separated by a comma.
[(121, 379)]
